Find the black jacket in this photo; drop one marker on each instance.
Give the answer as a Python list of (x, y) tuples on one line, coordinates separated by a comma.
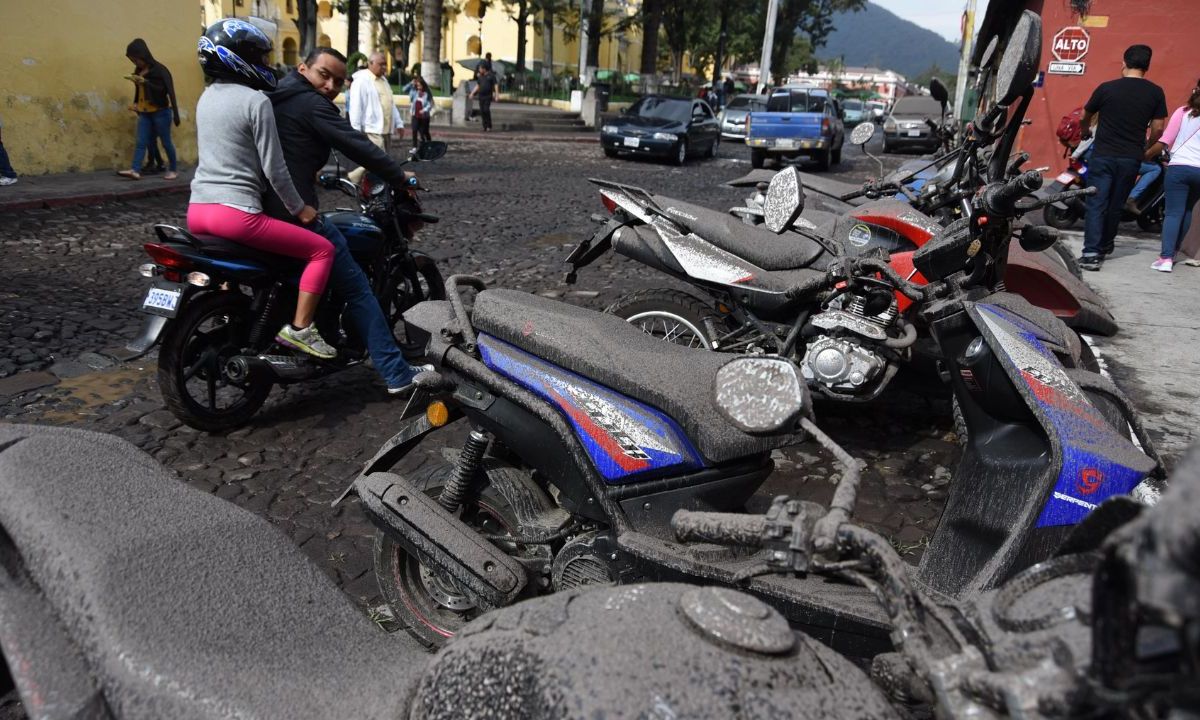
[(309, 126), (159, 86)]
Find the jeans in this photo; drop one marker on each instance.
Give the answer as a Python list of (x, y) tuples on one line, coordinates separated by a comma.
[(420, 130), (149, 126), (1113, 178), (1148, 172), (1182, 190), (6, 168), (485, 111), (350, 283)]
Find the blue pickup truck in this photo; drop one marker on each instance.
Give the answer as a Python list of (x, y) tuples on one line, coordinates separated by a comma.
[(798, 122)]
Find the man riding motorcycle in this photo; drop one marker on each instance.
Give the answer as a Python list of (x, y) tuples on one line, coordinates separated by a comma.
[(310, 125)]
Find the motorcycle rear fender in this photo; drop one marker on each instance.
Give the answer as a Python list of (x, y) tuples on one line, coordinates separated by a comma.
[(1050, 286), (148, 337)]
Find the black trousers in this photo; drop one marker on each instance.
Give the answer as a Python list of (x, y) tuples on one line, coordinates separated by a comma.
[(420, 130), (485, 111)]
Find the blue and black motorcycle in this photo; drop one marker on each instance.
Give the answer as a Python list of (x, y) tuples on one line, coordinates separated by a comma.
[(215, 305), (586, 435)]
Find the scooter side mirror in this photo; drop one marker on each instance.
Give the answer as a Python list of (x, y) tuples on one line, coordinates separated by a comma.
[(784, 201), (1036, 238), (431, 150), (760, 395), (862, 133)]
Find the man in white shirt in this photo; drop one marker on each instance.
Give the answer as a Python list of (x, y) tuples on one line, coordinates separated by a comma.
[(372, 109)]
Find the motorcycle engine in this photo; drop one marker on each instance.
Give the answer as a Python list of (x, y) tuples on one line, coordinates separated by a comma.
[(843, 364), (582, 562)]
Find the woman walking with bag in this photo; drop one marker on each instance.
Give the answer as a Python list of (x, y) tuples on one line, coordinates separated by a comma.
[(422, 109), (1182, 184)]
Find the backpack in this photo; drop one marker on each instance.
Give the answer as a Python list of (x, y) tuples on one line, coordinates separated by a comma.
[(1070, 128)]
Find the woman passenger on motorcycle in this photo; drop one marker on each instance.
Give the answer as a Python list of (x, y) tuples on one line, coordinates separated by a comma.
[(240, 154), (1182, 184)]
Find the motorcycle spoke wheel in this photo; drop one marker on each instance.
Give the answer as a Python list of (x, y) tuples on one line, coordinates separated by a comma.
[(670, 328)]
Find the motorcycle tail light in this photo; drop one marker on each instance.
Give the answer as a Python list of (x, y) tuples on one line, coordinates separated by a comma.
[(166, 256), (609, 203)]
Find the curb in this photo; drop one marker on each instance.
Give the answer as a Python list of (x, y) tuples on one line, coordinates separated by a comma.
[(517, 137), (92, 198)]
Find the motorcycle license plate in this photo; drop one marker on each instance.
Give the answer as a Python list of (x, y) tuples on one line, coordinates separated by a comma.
[(1065, 178), (914, 133), (632, 142), (163, 299)]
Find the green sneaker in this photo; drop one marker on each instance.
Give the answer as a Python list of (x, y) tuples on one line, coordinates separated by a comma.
[(306, 340)]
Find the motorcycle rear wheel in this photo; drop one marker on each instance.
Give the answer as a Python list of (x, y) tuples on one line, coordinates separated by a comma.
[(430, 605), (670, 315), (1058, 218), (212, 328)]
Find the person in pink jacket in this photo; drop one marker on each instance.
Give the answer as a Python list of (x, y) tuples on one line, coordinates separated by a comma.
[(1182, 184)]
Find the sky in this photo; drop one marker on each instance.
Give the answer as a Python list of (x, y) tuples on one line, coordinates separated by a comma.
[(941, 16)]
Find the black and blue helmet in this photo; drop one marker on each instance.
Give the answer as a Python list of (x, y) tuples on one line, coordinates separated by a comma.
[(235, 50)]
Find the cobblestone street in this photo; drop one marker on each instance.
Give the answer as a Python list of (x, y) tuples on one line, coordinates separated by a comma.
[(510, 213)]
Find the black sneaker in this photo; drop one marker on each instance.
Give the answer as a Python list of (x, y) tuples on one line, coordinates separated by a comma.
[(1090, 262)]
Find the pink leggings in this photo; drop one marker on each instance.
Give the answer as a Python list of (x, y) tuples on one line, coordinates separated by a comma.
[(264, 233)]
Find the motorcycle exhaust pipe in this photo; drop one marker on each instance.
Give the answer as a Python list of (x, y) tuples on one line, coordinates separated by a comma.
[(241, 368)]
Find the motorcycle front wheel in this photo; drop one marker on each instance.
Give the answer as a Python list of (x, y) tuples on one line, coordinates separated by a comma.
[(213, 327), (1059, 218), (402, 293)]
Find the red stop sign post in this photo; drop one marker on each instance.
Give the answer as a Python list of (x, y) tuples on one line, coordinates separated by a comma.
[(1070, 44)]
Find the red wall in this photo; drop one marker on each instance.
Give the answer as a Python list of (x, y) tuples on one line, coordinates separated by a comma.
[(1170, 27)]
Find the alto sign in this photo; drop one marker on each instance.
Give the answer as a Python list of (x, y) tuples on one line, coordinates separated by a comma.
[(1070, 46)]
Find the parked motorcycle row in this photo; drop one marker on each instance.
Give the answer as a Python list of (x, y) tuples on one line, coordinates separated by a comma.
[(588, 553)]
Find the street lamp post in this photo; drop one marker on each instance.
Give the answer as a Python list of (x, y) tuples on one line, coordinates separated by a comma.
[(764, 72)]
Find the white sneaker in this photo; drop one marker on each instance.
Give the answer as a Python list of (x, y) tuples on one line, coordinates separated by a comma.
[(7, 181), (1162, 264)]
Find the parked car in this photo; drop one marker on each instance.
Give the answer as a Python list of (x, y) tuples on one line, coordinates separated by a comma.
[(798, 122), (854, 111), (733, 117), (668, 127), (905, 127), (876, 110)]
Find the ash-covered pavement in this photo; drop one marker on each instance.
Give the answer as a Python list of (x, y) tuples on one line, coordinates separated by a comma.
[(510, 212)]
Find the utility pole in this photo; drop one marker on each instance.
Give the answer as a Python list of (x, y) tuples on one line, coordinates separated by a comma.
[(964, 60), (764, 72)]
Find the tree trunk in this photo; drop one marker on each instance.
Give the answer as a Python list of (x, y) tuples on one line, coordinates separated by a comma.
[(431, 50), (547, 45), (522, 32), (595, 30), (306, 25), (352, 14), (652, 18), (722, 36)]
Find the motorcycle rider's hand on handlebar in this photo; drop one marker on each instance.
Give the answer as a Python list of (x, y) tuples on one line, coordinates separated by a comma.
[(306, 215)]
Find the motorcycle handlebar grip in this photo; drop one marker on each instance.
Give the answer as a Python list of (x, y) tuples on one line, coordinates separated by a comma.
[(1001, 199), (1015, 166), (719, 528)]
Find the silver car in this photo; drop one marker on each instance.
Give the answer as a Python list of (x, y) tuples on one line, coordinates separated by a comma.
[(733, 117)]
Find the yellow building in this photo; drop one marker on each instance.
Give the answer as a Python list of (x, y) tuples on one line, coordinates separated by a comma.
[(64, 101)]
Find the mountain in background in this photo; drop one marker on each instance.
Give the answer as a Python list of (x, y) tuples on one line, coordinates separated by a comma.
[(875, 37)]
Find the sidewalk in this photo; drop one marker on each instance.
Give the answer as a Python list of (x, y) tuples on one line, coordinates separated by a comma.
[(1154, 357), (86, 188), (60, 189)]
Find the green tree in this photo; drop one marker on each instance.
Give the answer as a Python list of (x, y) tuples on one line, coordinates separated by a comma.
[(431, 50), (520, 11)]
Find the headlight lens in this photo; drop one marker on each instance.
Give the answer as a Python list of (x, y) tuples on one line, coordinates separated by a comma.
[(666, 136), (609, 129), (889, 125)]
